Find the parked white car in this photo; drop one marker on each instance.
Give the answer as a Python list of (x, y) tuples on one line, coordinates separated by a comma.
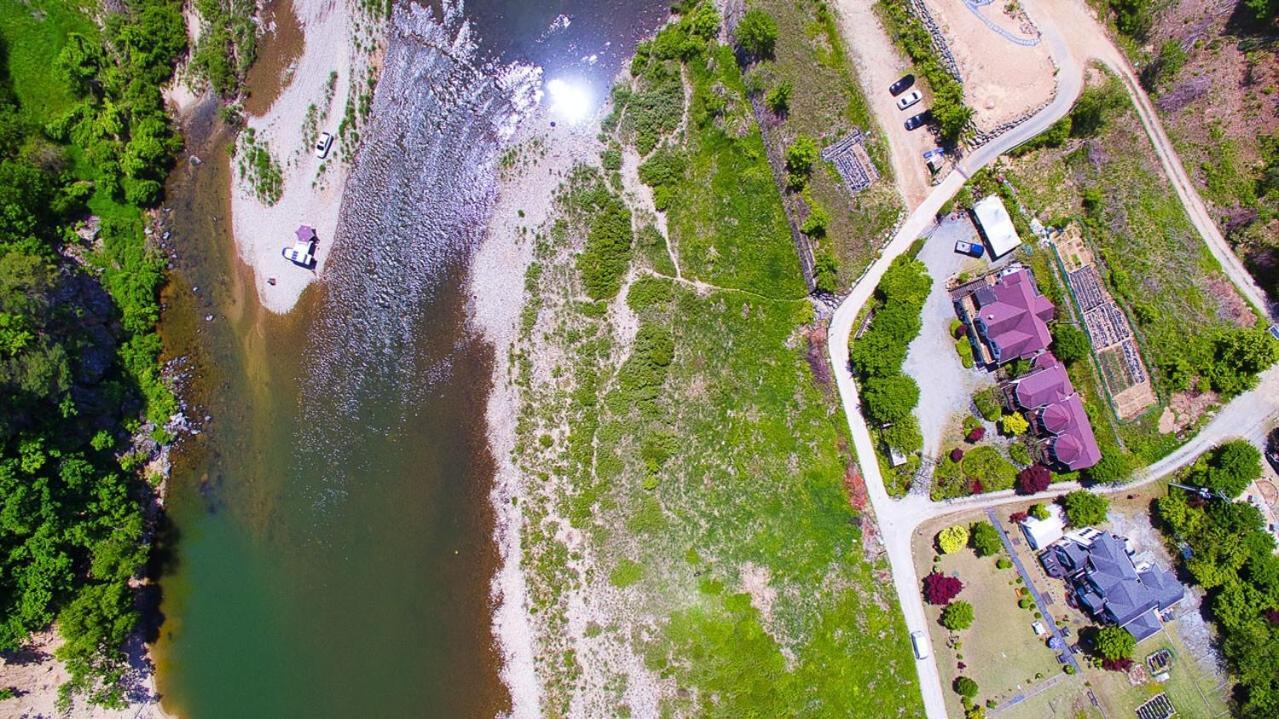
[(323, 144), (300, 254), (908, 99), (920, 645)]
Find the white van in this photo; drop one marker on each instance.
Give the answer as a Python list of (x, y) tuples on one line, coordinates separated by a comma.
[(920, 643)]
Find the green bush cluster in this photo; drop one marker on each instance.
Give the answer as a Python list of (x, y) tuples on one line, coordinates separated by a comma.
[(606, 253), (1232, 557), (255, 163), (664, 172), (1084, 508), (987, 403), (888, 396), (228, 43), (120, 123), (78, 349), (756, 34), (948, 107), (957, 616), (984, 539)]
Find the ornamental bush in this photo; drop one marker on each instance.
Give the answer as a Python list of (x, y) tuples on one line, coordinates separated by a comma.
[(1114, 643), (952, 539), (965, 687), (984, 539), (957, 616), (939, 589), (1033, 479), (1014, 424)]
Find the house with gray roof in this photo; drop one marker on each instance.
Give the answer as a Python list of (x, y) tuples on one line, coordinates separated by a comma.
[(1109, 586)]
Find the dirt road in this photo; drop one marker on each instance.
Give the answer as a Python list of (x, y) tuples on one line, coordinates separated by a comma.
[(879, 64), (1087, 40)]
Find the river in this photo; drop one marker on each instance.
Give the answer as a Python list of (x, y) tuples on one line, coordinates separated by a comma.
[(329, 544)]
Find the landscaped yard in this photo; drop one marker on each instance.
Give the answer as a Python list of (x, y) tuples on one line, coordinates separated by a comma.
[(1000, 650)]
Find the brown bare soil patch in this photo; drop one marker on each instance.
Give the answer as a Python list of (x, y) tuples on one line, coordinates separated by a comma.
[(1002, 80)]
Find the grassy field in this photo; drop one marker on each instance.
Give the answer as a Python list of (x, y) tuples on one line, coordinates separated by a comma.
[(687, 462), (41, 94), (1000, 651), (827, 103)]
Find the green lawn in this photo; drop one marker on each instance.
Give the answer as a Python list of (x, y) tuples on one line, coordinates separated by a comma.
[(1000, 650), (34, 37)]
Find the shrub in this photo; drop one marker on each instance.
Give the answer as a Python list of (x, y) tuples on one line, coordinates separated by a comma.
[(1014, 424), (904, 435), (1070, 344), (817, 220), (802, 154), (956, 454), (1039, 511), (1019, 453), (957, 616), (965, 687), (825, 270), (757, 33), (952, 539), (965, 350), (976, 434), (1114, 643), (663, 171), (1033, 479), (778, 98), (1113, 467), (939, 589), (987, 403), (1003, 563), (1083, 508), (984, 539)]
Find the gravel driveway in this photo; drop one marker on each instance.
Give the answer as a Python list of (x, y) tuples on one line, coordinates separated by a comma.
[(945, 386)]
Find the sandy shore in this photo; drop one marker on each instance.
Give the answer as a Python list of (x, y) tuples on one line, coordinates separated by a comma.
[(497, 270), (37, 675), (312, 188)]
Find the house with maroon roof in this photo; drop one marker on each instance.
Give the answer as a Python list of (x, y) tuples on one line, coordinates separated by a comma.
[(1008, 319), (1057, 414)]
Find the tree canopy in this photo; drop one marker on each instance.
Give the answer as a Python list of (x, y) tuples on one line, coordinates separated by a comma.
[(952, 539), (1229, 468), (957, 616), (984, 539), (1114, 643), (1084, 508)]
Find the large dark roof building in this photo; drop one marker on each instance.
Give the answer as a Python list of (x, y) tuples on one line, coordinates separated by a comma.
[(1056, 410), (1109, 585), (1011, 317)]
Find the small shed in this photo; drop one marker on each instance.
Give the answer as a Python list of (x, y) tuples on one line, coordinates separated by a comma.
[(996, 226), (1042, 532)]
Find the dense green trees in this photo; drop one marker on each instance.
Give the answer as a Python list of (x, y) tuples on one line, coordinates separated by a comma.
[(889, 396), (1083, 508), (1228, 469), (948, 107), (77, 341), (1070, 344)]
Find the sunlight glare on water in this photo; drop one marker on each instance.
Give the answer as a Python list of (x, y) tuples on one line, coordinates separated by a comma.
[(570, 100)]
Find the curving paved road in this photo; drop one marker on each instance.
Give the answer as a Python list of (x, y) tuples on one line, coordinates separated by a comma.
[(898, 519)]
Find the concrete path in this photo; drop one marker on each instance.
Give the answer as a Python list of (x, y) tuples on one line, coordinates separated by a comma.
[(898, 519), (1029, 582)]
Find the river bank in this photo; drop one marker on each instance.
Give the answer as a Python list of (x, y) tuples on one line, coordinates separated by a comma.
[(539, 160), (279, 181)]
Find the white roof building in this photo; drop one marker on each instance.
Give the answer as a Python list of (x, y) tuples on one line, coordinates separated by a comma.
[(1042, 532), (996, 226)]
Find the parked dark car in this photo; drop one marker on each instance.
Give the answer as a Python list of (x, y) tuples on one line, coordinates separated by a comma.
[(916, 121), (901, 85)]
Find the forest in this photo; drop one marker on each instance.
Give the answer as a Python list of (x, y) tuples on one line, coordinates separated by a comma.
[(79, 371)]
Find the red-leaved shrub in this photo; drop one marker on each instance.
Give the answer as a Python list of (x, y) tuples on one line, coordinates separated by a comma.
[(939, 589)]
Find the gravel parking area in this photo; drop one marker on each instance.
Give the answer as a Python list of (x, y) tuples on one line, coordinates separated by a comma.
[(945, 386)]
